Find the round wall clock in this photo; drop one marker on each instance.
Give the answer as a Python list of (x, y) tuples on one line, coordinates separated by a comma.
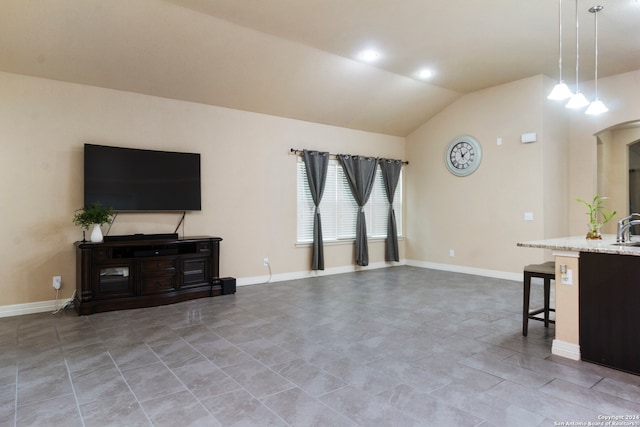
[(463, 155)]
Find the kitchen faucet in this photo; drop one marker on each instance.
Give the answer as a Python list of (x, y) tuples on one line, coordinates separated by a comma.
[(625, 227)]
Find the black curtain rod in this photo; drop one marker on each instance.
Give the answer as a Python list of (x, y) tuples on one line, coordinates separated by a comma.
[(298, 152)]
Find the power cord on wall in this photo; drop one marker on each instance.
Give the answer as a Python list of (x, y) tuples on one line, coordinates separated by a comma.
[(57, 308), (270, 274), (268, 265), (68, 304)]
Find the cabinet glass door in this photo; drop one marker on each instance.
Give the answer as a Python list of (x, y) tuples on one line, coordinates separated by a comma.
[(115, 280), (194, 271)]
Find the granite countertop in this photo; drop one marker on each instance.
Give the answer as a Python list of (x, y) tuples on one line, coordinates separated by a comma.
[(580, 244)]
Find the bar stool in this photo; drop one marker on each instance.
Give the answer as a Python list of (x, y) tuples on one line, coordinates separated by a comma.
[(546, 271)]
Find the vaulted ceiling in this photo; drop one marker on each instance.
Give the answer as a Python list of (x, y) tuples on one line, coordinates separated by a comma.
[(298, 58)]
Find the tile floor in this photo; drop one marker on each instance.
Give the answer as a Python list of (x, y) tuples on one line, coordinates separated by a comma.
[(402, 346)]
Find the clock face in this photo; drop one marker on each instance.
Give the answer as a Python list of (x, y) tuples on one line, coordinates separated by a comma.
[(463, 155)]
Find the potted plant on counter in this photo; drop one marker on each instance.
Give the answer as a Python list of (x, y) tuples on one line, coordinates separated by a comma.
[(598, 216), (95, 215)]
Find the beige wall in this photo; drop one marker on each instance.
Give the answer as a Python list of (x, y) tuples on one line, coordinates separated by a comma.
[(620, 95), (248, 176), (555, 168), (613, 170), (481, 216)]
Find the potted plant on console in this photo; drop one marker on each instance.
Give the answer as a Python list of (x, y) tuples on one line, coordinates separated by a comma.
[(95, 215)]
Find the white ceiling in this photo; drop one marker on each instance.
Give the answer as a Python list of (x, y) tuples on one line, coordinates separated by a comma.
[(297, 58)]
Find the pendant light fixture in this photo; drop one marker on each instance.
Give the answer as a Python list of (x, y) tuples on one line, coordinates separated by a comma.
[(597, 106), (578, 100), (561, 90)]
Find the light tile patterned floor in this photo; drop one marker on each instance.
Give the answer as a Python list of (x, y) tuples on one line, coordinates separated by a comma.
[(402, 346)]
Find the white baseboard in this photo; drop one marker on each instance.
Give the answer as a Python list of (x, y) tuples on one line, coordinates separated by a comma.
[(259, 280), (496, 274), (31, 307), (565, 349)]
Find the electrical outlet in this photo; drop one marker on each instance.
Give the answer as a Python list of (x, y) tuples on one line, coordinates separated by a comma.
[(57, 282), (451, 252), (265, 262), (566, 275)]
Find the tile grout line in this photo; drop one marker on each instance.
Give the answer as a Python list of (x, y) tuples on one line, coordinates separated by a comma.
[(178, 378), (234, 380), (15, 402), (73, 389), (127, 383)]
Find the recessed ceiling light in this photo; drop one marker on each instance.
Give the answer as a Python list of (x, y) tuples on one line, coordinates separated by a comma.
[(369, 55), (425, 73)]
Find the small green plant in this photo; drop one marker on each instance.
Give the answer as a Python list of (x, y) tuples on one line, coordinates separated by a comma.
[(598, 216), (94, 214)]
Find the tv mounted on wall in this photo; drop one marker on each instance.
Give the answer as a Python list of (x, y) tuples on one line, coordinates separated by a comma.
[(136, 180)]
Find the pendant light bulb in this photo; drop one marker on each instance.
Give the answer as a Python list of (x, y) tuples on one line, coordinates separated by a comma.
[(578, 100), (596, 107), (561, 90)]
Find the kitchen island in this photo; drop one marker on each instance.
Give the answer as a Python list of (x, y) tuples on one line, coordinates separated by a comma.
[(597, 300)]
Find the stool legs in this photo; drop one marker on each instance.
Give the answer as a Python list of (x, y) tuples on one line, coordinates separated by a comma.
[(525, 303), (547, 302), (526, 312)]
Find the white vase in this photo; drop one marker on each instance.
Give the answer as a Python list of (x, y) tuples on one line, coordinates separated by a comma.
[(96, 234)]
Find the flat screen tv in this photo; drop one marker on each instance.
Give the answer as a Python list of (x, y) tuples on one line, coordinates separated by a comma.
[(135, 180)]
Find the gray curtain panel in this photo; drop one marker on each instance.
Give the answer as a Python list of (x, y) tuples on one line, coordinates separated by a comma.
[(391, 173), (316, 164), (361, 173)]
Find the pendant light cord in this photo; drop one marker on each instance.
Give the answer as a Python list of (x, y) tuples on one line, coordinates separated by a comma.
[(560, 38), (596, 106), (595, 12), (577, 50)]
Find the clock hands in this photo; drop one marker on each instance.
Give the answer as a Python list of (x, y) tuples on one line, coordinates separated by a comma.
[(464, 154), (461, 156)]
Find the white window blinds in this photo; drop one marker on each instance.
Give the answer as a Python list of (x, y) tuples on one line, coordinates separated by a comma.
[(338, 208)]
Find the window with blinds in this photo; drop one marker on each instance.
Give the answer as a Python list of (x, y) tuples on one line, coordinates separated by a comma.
[(338, 208)]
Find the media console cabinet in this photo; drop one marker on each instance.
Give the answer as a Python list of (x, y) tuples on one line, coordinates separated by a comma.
[(141, 272)]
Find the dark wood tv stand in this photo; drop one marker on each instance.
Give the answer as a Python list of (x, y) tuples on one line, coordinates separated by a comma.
[(137, 273)]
